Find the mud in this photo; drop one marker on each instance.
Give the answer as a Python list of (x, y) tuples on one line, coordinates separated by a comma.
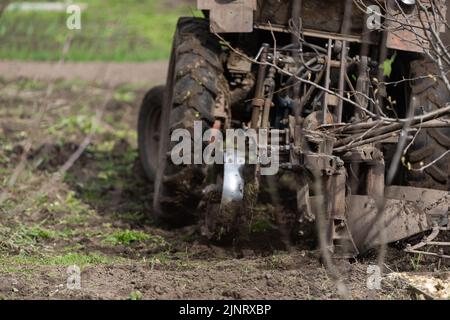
[(294, 276)]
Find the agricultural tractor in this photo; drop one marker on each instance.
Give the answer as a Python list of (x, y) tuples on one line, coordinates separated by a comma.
[(347, 99)]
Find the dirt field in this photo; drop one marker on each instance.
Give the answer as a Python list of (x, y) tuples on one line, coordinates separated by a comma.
[(110, 74), (95, 213)]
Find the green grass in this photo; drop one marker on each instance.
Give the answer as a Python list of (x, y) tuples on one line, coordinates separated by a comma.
[(81, 260), (126, 237), (114, 30), (37, 232), (135, 295), (415, 262), (28, 239)]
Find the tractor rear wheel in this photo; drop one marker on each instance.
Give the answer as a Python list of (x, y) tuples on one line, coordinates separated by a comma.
[(149, 122), (198, 87), (430, 93)]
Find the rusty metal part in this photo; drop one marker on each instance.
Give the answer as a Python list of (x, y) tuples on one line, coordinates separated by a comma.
[(371, 160), (311, 90), (296, 17), (321, 164), (340, 237), (407, 211), (324, 19), (311, 33), (222, 110), (269, 84), (329, 172), (346, 27), (359, 215), (342, 87), (362, 86), (331, 205), (242, 79), (236, 63), (258, 101), (324, 15), (229, 16), (304, 203), (327, 81), (407, 30), (242, 90), (367, 154), (315, 120)]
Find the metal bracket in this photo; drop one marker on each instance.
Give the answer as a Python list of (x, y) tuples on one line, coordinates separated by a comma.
[(229, 16), (411, 38)]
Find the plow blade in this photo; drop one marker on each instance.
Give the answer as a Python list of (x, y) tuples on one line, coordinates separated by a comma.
[(406, 212)]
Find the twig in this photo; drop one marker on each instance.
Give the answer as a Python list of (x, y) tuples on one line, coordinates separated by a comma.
[(432, 162)]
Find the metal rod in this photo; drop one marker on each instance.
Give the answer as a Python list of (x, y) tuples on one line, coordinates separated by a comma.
[(312, 33), (258, 101), (310, 91), (296, 16), (270, 85), (342, 73), (346, 27), (327, 81)]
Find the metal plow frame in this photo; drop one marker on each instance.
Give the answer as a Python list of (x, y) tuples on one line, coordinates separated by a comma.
[(325, 144)]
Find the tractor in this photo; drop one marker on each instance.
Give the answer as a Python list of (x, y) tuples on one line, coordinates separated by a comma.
[(347, 99)]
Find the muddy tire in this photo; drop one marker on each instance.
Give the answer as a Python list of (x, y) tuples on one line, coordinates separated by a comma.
[(148, 130), (430, 144), (199, 86)]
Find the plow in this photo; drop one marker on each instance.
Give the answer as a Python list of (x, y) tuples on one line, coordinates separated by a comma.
[(338, 116)]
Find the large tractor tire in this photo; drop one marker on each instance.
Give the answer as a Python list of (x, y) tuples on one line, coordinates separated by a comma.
[(430, 93), (149, 122), (198, 87)]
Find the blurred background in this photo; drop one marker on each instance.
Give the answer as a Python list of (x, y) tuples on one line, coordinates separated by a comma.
[(113, 30)]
